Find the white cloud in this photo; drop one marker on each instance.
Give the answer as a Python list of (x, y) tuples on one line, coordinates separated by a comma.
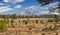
[(44, 12), (5, 8), (55, 13), (31, 7), (18, 6), (19, 0), (6, 0), (1, 3), (13, 1)]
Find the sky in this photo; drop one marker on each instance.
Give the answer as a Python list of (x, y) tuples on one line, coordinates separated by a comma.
[(17, 6)]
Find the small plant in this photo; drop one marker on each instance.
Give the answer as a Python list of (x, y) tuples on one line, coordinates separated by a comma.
[(43, 33), (30, 27), (19, 21), (42, 22), (7, 20), (25, 21), (12, 25), (12, 21), (45, 29), (36, 21), (56, 33), (50, 28), (50, 20), (33, 26), (55, 27), (3, 26)]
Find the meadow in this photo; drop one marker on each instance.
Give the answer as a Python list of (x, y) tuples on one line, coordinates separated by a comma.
[(29, 26)]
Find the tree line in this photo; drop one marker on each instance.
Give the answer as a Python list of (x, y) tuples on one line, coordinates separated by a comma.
[(17, 16)]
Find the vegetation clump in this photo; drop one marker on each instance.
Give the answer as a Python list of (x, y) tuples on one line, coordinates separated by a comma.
[(12, 23), (42, 22), (30, 27), (56, 18), (25, 21), (50, 20), (43, 33), (3, 26), (56, 33), (55, 27), (36, 21)]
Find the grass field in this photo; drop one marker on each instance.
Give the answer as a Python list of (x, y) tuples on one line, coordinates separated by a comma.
[(32, 26)]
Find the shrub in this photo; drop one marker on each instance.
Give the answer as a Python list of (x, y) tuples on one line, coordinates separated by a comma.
[(12, 25), (55, 27), (43, 33), (25, 21), (45, 29), (56, 33), (36, 21), (33, 26), (56, 18), (42, 22), (19, 21), (50, 20), (3, 26), (30, 27), (12, 21)]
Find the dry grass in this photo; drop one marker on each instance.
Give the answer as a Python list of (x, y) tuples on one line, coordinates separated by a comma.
[(23, 29)]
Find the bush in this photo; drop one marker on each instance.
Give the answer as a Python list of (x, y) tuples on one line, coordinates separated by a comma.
[(12, 25), (43, 33), (3, 26), (45, 29), (42, 22), (56, 33), (55, 27), (50, 20), (30, 27), (12, 21), (36, 21), (33, 26), (19, 21), (25, 21)]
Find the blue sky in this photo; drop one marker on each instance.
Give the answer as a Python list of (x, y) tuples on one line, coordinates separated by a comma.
[(17, 6)]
